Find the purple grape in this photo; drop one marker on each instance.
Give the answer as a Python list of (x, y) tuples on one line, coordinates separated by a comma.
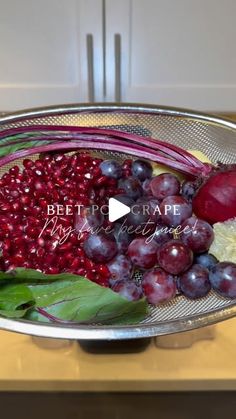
[(100, 248), (165, 185), (175, 210), (141, 169), (158, 286), (132, 187), (206, 260), (128, 290), (120, 268), (195, 282), (123, 237), (88, 218), (151, 206), (138, 216), (188, 190), (143, 254), (111, 168), (146, 187), (124, 199), (198, 234), (162, 234), (174, 257), (223, 279)]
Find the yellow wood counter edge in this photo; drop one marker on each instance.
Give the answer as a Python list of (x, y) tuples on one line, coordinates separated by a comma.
[(119, 387), (207, 365)]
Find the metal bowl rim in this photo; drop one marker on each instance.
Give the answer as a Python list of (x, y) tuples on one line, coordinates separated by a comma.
[(53, 330), (39, 112), (117, 332)]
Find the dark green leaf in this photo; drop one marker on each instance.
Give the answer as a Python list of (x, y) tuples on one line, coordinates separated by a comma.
[(73, 298), (11, 148), (15, 300), (83, 301)]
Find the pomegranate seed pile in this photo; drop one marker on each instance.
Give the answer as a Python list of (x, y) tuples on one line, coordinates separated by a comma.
[(24, 198)]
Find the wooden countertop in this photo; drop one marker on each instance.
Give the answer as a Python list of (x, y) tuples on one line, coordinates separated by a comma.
[(207, 365)]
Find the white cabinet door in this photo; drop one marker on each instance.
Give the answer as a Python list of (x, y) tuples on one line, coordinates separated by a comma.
[(174, 52), (43, 50)]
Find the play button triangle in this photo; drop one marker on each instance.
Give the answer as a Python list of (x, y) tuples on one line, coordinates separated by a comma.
[(117, 209)]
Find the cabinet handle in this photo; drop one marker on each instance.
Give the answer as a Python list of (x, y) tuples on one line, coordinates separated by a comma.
[(90, 64), (117, 41)]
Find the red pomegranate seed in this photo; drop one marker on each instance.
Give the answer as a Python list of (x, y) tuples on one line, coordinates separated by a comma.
[(14, 170), (16, 232), (5, 207), (103, 271), (6, 245), (32, 231), (39, 164), (40, 242), (65, 247), (15, 218), (101, 281), (43, 203), (33, 220), (14, 193), (19, 178), (127, 164), (81, 272), (18, 259), (61, 262), (51, 245), (27, 239), (40, 252), (39, 186), (27, 163), (16, 206), (82, 261), (102, 180), (75, 264), (25, 199), (19, 242), (69, 256), (6, 227), (49, 259), (80, 252), (89, 265)]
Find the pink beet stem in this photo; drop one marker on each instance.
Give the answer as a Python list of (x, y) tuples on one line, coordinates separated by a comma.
[(173, 150), (138, 151)]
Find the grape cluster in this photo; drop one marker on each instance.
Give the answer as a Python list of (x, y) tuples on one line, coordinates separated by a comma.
[(160, 237), (169, 245)]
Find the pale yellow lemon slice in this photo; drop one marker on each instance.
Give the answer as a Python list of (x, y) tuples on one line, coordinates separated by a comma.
[(224, 244)]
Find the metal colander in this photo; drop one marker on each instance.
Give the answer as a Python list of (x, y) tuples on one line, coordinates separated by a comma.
[(191, 130)]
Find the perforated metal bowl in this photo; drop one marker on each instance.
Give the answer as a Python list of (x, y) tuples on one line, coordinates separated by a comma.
[(191, 130)]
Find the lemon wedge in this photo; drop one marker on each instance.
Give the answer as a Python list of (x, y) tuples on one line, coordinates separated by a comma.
[(158, 169), (224, 244)]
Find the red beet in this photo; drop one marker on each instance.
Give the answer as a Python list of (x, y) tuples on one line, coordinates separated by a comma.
[(215, 200)]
